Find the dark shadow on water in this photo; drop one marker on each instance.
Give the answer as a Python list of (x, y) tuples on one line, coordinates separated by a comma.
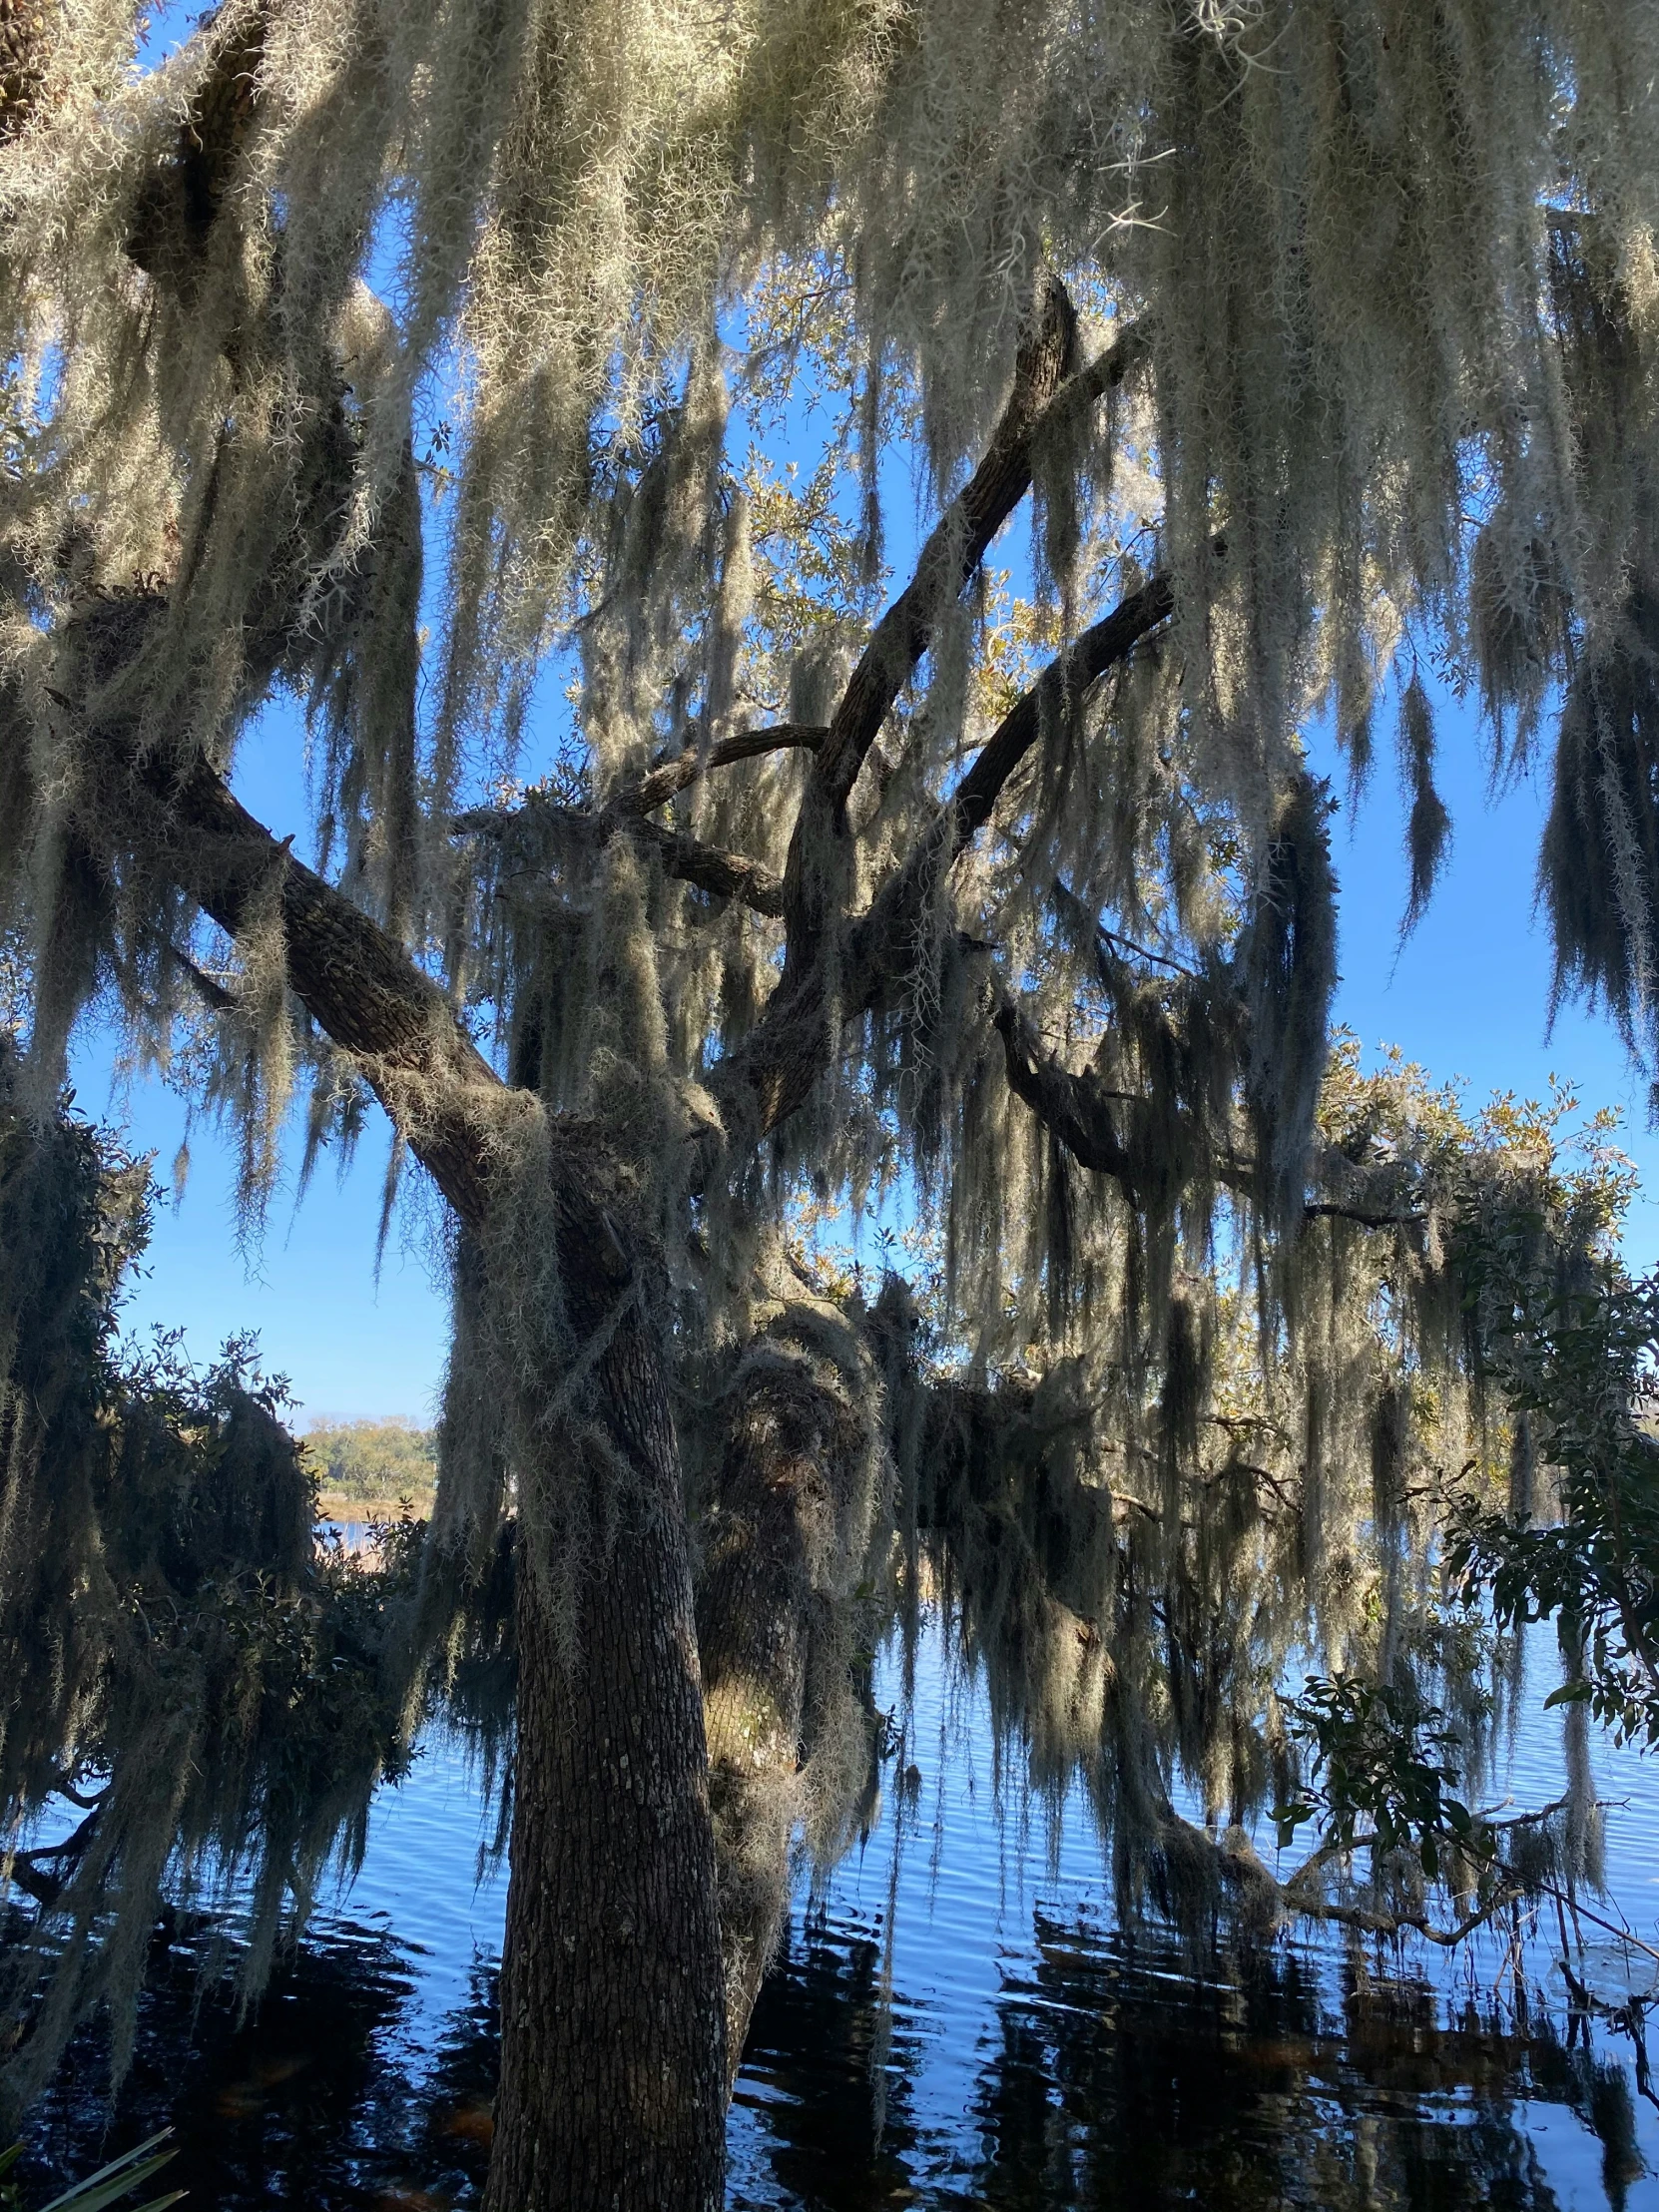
[(1106, 2073), (1109, 2075), (314, 2100), (837, 2119)]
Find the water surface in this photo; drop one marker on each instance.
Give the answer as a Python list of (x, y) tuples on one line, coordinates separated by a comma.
[(956, 2020)]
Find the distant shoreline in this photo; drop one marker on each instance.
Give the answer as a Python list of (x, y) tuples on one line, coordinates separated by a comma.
[(336, 1505)]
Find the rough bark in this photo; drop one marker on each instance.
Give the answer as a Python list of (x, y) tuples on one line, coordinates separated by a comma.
[(360, 986), (613, 2044)]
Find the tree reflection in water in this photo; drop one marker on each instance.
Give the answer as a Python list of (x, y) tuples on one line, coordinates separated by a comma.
[(1113, 2076), (1016, 2049), (318, 2099)]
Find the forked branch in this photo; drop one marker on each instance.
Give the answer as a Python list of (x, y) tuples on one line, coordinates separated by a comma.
[(771, 1072), (1042, 394)]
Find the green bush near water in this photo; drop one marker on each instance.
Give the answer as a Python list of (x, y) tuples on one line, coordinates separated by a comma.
[(374, 1458)]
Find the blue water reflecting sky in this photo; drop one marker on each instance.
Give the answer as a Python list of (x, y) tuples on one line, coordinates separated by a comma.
[(957, 2019)]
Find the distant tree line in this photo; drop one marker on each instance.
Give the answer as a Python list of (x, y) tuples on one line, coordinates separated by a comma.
[(374, 1460)]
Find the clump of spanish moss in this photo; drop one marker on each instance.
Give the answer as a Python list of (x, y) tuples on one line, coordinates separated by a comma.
[(1139, 1557), (1604, 912), (1427, 824)]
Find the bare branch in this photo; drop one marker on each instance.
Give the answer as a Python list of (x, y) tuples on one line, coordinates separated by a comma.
[(1329, 1208), (211, 993), (773, 1071), (666, 778), (954, 551), (885, 936), (714, 869)]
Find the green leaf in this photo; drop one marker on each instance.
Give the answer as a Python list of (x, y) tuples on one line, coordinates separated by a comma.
[(1570, 1693), (139, 2164)]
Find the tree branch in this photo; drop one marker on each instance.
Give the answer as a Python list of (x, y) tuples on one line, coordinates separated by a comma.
[(1060, 684), (954, 551), (714, 869), (884, 940), (771, 1072), (663, 782), (1329, 1208), (356, 982), (1076, 1108), (961, 538), (710, 867), (668, 777), (212, 994)]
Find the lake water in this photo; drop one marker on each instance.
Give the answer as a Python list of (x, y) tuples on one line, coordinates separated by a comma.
[(956, 2020)]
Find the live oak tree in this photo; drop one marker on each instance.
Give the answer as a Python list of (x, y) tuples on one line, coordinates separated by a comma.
[(408, 358)]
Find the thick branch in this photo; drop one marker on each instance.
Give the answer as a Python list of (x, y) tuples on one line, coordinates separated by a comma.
[(814, 878), (713, 869), (885, 939), (1076, 1108), (356, 982), (961, 538), (1060, 684)]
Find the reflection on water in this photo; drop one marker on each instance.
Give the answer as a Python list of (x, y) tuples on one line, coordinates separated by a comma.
[(1033, 2055), (313, 2102), (955, 2020), (1106, 2076)]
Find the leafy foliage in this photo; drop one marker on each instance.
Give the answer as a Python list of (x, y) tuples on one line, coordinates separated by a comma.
[(178, 1661), (1382, 1757), (373, 1460), (1576, 1358)]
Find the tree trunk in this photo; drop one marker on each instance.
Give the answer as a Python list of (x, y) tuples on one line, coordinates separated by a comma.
[(613, 2033), (613, 2078)]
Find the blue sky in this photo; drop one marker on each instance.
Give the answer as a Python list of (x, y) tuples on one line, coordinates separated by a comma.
[(1468, 994)]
